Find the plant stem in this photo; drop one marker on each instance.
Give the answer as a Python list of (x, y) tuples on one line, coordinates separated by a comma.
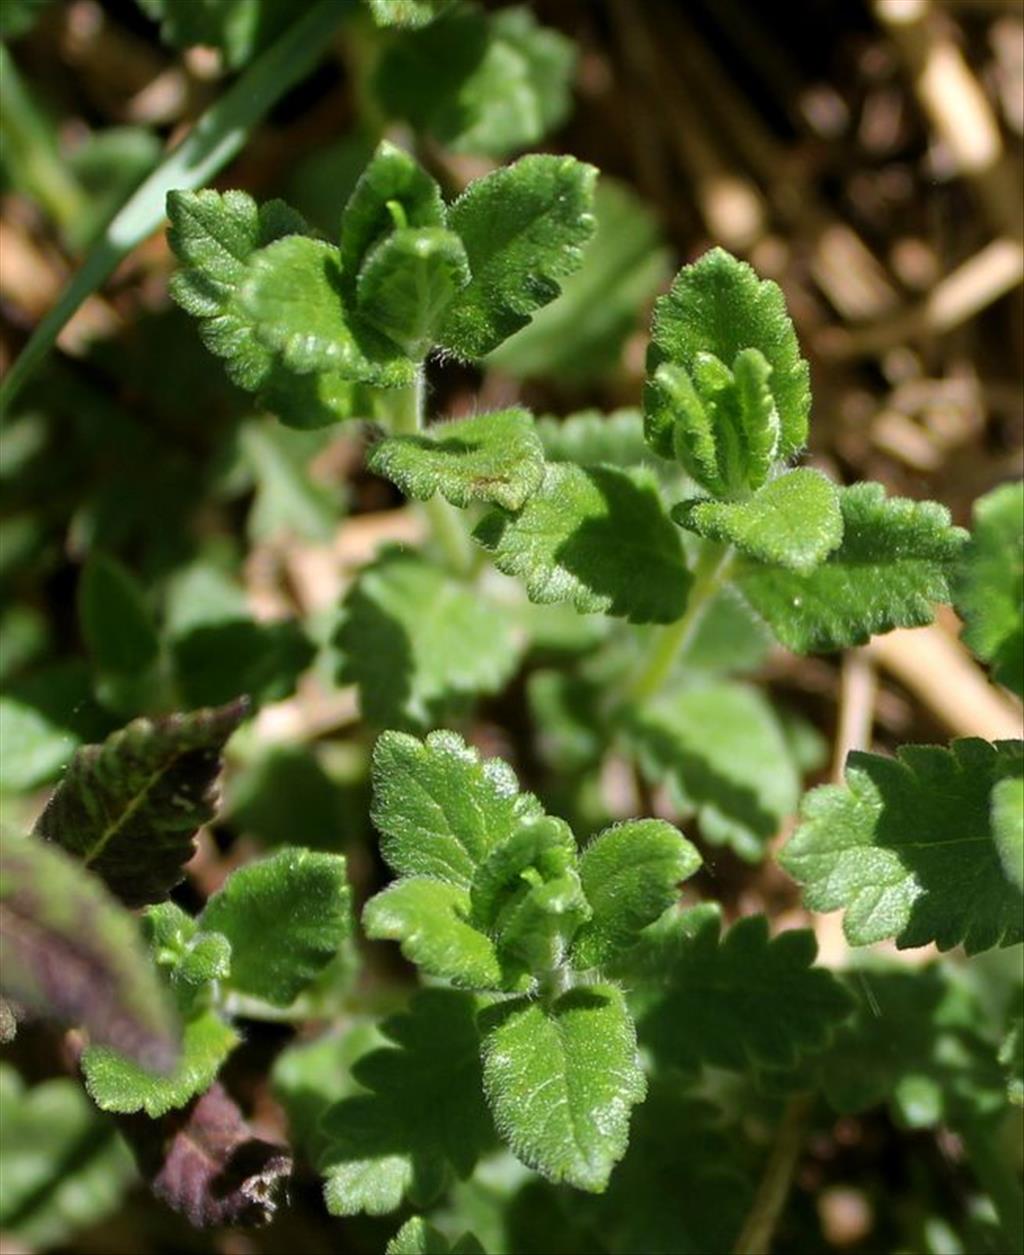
[(208, 147), (712, 569), (756, 1235), (406, 415)]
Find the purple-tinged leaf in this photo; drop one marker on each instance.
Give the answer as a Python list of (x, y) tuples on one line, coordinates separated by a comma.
[(72, 952), (130, 808), (205, 1162)]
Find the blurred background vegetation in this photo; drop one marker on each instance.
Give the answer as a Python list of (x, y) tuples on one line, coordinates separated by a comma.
[(865, 155)]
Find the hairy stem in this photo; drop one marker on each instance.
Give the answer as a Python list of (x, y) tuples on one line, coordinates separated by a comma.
[(711, 572), (756, 1235), (406, 415)]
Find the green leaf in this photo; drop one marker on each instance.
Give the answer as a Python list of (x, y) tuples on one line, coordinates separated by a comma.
[(716, 312), (579, 337), (478, 83), (44, 717), (313, 1074), (793, 521), (209, 145), (490, 457), (915, 1041), (683, 1188), (439, 809), (292, 295), (239, 28), (989, 590), (724, 751), (73, 952), (416, 1237), (430, 919), (407, 283), (130, 808), (1011, 1057), (527, 895), (423, 1118), (393, 188), (1008, 827), (286, 917), (597, 537), (19, 16), (589, 437), (523, 228), (116, 622), (406, 13), (214, 235), (893, 565), (736, 1000), (289, 502), (631, 874), (117, 1084), (561, 1080), (908, 848), (268, 791), (218, 660), (418, 642), (62, 1167)]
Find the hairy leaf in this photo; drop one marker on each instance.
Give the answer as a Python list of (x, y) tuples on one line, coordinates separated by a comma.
[(523, 228), (1008, 827), (736, 1000), (716, 312), (416, 1237), (130, 808), (490, 457), (118, 1084), (418, 642), (631, 875), (597, 537), (527, 895), (908, 849), (724, 751), (406, 13), (62, 1167), (407, 283), (206, 1162), (793, 521), (990, 585), (430, 919), (589, 437), (292, 293), (561, 1080), (213, 235), (393, 188), (579, 337), (286, 917), (894, 563), (478, 82), (423, 1118), (73, 952), (439, 809)]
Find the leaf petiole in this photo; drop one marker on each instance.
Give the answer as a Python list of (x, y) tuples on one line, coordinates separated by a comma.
[(712, 570), (405, 418)]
